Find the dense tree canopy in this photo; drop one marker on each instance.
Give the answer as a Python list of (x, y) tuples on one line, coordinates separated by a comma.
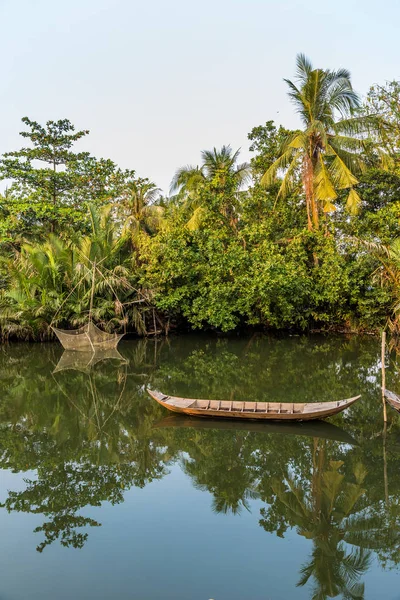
[(304, 237), (51, 183)]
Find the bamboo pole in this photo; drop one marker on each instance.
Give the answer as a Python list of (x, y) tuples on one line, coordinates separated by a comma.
[(92, 292), (385, 476), (383, 348)]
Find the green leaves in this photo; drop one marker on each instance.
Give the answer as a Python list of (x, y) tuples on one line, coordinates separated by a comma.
[(50, 282), (325, 152), (52, 197), (50, 144), (218, 253), (353, 202)]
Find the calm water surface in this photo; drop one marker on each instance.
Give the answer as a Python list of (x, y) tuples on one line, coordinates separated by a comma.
[(105, 495)]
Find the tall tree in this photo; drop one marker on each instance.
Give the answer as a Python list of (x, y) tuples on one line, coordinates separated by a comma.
[(223, 175), (327, 154), (215, 164), (385, 101), (51, 183), (266, 141), (51, 145), (137, 207)]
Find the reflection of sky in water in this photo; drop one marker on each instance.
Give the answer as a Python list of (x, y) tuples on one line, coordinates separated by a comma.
[(163, 542)]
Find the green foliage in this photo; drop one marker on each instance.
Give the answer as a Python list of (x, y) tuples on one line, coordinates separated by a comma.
[(223, 277), (223, 251), (384, 100), (51, 283), (51, 184), (327, 154), (137, 208), (266, 141)]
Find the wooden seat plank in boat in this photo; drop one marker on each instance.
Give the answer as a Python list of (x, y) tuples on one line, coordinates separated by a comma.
[(253, 410)]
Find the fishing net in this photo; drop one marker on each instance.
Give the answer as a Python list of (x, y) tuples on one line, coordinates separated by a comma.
[(87, 338)]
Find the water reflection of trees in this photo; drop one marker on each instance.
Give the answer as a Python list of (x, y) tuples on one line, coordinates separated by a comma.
[(326, 510), (91, 436), (83, 433)]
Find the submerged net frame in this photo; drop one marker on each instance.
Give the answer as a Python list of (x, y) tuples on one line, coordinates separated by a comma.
[(84, 361), (80, 361)]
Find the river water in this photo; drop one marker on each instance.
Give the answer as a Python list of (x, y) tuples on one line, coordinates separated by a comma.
[(105, 495)]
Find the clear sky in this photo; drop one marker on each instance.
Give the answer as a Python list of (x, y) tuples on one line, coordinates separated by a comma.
[(157, 81)]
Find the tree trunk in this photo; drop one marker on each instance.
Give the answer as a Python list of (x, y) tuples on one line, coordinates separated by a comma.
[(309, 222), (311, 202), (315, 215), (52, 226), (308, 176)]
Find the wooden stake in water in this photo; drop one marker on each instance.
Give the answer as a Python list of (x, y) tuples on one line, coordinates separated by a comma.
[(383, 375), (385, 475)]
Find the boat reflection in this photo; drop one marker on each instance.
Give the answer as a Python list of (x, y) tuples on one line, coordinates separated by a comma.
[(315, 429)]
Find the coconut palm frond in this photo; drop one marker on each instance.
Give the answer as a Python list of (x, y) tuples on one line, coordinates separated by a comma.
[(332, 142), (51, 282)]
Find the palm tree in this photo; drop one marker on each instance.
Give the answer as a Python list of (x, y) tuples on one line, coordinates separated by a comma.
[(51, 282), (330, 514), (219, 168), (326, 155), (188, 180), (387, 275), (138, 209), (215, 164)]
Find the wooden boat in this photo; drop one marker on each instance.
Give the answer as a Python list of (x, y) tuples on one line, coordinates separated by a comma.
[(278, 411), (313, 429), (393, 399)]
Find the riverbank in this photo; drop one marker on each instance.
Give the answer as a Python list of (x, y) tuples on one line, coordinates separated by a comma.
[(245, 332)]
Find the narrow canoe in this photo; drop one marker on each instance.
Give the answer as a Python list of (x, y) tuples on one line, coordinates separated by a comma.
[(393, 399), (278, 411)]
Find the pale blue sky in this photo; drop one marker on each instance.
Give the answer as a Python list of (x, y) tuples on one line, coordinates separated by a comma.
[(158, 81)]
